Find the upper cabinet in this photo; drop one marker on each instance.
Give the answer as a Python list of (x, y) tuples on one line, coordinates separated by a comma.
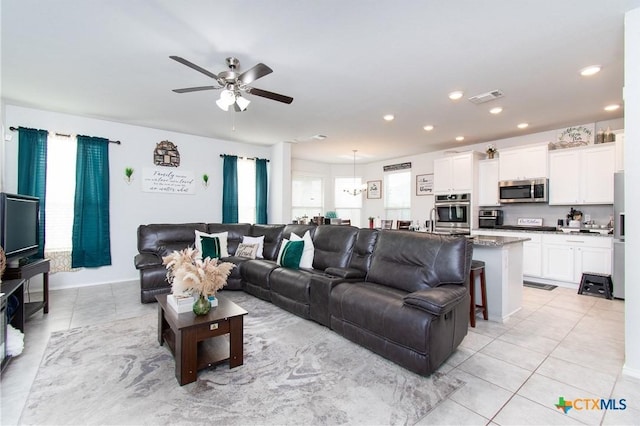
[(582, 175), (455, 174), (619, 152), (488, 177), (529, 162)]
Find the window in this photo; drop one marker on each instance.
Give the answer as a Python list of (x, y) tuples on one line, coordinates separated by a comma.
[(348, 206), (306, 196), (246, 191), (61, 178), (397, 195)]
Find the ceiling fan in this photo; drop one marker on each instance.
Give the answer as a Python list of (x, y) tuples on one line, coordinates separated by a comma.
[(234, 84)]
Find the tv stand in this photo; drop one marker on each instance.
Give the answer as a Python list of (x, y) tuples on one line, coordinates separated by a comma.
[(27, 271)]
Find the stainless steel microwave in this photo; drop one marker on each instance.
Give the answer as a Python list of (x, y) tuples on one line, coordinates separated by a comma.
[(524, 191)]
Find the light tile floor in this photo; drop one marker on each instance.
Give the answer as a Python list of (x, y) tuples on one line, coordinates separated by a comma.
[(559, 344)]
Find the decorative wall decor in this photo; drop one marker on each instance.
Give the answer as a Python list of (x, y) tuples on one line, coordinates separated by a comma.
[(575, 136), (166, 154), (424, 184), (168, 181), (374, 189), (128, 173), (205, 180)]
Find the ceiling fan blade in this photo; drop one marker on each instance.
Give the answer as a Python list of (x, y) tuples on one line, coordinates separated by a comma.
[(194, 66), (270, 95), (196, 89), (254, 73)]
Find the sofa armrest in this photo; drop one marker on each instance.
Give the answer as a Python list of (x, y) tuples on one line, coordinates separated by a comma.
[(436, 301), (346, 273), (147, 260)]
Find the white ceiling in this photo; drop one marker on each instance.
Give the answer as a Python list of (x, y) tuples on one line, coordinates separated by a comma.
[(345, 63)]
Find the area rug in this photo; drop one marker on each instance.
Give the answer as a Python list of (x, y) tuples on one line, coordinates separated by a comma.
[(295, 372), (539, 286)]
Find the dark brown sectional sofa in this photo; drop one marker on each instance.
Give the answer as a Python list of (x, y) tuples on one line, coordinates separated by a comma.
[(401, 294)]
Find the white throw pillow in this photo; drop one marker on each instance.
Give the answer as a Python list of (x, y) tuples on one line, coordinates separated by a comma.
[(222, 236), (307, 255), (255, 240)]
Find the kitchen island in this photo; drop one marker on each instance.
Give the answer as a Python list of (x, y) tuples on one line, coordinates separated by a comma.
[(503, 269)]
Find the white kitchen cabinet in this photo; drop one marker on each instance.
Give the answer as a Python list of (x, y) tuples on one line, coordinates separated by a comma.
[(532, 255), (528, 162), (566, 258), (582, 175), (454, 174), (488, 178)]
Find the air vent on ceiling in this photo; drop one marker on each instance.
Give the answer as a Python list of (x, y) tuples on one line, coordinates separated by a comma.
[(486, 97)]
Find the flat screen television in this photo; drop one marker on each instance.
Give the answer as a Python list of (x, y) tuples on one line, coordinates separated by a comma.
[(19, 225)]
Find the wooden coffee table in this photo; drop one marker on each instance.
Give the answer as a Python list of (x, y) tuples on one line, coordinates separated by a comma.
[(199, 342)]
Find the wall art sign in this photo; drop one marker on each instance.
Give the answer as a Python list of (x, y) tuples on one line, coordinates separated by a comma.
[(575, 136), (166, 154), (399, 166), (374, 189), (424, 184), (168, 181)]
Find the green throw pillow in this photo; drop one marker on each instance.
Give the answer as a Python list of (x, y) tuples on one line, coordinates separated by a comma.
[(291, 254), (210, 247)]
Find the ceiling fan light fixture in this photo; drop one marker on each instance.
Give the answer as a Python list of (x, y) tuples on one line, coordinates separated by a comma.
[(243, 103), (228, 97), (222, 105)]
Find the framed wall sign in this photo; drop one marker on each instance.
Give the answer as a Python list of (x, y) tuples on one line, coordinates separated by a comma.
[(424, 184), (374, 189)]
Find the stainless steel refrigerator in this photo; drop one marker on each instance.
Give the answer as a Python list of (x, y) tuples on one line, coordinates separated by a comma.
[(618, 236)]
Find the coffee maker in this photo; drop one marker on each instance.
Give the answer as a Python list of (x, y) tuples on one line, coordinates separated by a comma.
[(490, 218)]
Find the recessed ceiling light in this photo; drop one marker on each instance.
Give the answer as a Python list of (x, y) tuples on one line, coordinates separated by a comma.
[(590, 70), (459, 138), (454, 96), (428, 127), (496, 110), (523, 125), (611, 107), (388, 117)]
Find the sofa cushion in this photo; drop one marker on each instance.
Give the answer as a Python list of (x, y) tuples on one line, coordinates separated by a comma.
[(413, 261), (210, 247), (246, 239), (163, 239), (249, 251), (290, 253), (379, 310), (363, 249), (235, 232), (222, 238), (272, 236), (333, 246), (306, 261)]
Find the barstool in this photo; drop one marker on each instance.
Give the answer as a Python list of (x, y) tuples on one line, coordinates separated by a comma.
[(477, 269)]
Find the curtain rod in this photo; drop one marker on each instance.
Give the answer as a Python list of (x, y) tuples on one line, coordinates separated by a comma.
[(248, 158), (14, 129)]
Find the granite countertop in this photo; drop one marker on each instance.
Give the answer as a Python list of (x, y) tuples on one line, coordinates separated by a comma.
[(495, 241), (557, 232)]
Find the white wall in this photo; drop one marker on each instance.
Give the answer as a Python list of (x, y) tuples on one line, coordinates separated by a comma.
[(130, 206), (632, 203)]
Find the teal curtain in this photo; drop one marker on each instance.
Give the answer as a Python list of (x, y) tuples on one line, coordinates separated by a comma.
[(32, 171), (230, 189), (261, 190), (91, 235)]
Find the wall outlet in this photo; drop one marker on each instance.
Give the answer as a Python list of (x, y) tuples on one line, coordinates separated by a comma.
[(587, 218)]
